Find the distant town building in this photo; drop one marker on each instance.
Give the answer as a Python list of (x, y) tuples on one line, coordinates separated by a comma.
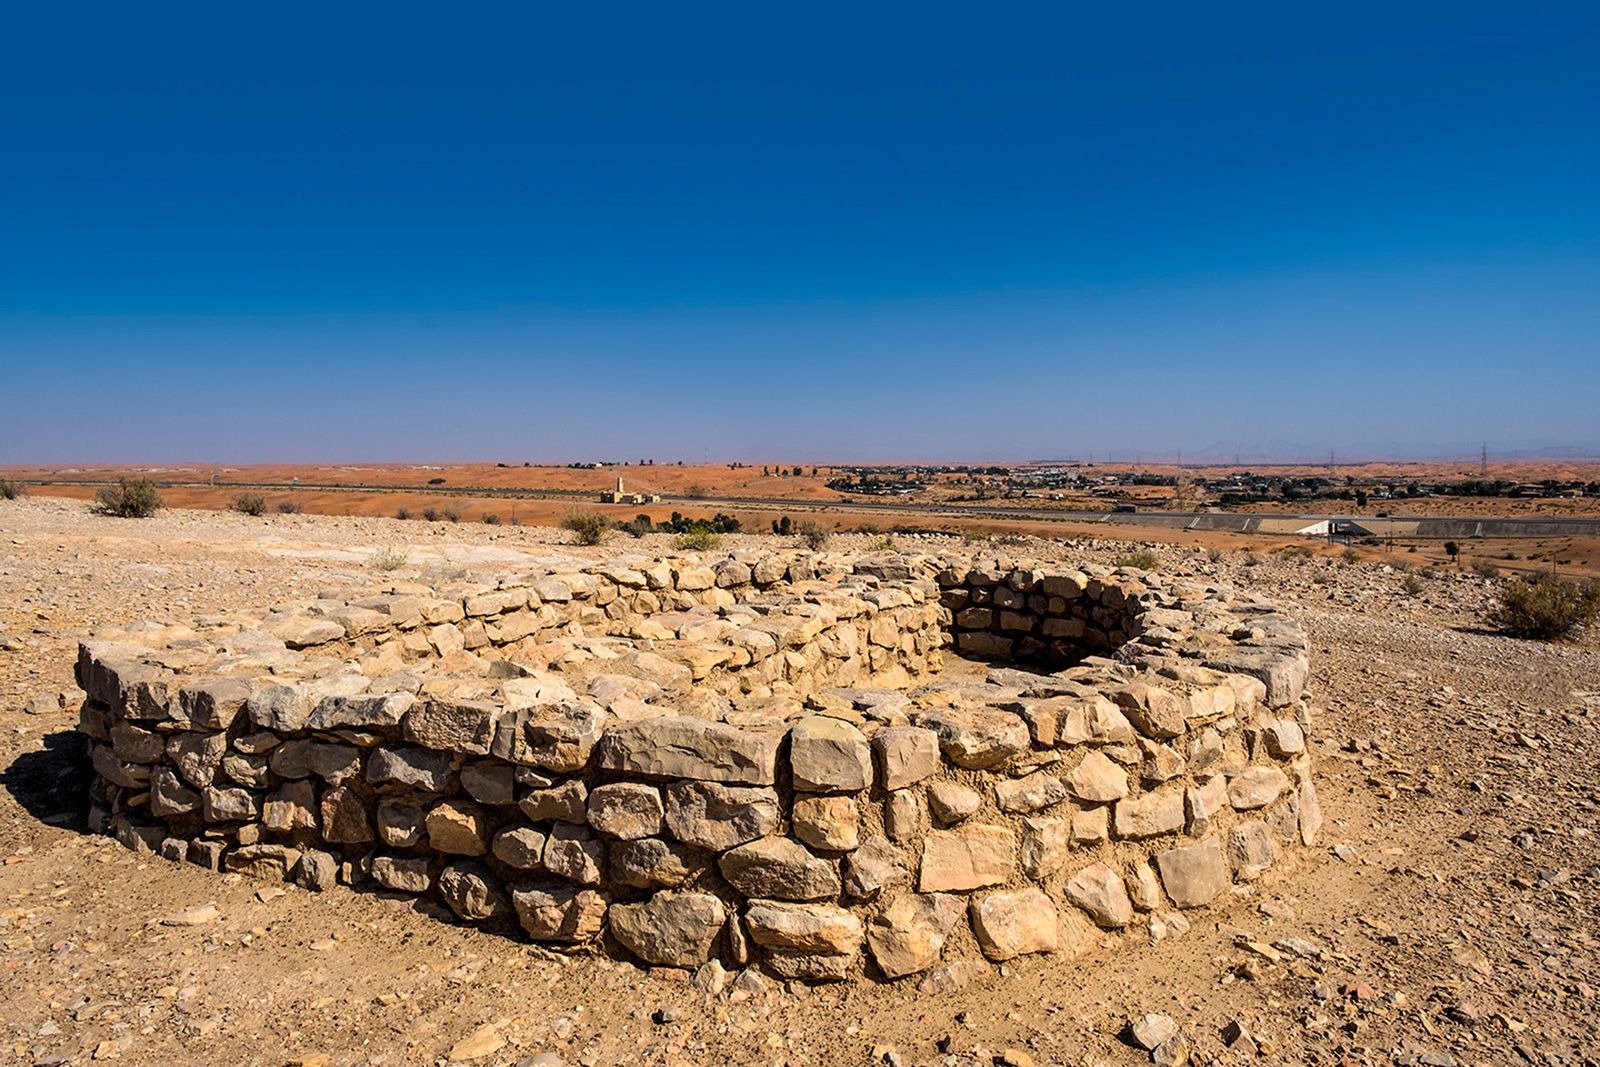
[(618, 496)]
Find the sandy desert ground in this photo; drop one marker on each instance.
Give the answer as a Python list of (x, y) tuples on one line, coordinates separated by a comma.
[(544, 495), (1448, 916)]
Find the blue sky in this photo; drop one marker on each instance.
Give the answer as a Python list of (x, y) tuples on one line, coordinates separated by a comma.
[(809, 232)]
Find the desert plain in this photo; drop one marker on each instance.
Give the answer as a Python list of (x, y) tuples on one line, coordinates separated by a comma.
[(1446, 915)]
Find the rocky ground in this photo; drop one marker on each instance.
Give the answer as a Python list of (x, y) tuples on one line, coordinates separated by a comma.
[(1448, 915)]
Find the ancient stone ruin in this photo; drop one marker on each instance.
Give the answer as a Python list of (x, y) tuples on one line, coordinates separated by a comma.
[(759, 759)]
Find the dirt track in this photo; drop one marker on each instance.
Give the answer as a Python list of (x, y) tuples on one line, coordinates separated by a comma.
[(1448, 915)]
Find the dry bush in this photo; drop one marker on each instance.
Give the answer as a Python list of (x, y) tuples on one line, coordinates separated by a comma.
[(1215, 555), (1486, 568), (250, 504), (289, 507), (813, 533), (402, 513), (450, 513), (699, 538), (11, 489), (1350, 555), (389, 559), (1144, 560), (1413, 584), (491, 519), (589, 526), (1296, 552), (130, 498), (430, 513), (885, 544), (1546, 607)]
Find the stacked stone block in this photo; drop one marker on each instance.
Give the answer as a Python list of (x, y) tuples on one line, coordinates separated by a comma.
[(633, 777), (1030, 616)]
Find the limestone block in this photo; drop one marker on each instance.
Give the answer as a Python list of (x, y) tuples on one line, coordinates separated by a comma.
[(909, 935), (670, 929), (906, 755), (970, 857), (1011, 924), (682, 747), (1193, 875), (779, 868), (720, 817)]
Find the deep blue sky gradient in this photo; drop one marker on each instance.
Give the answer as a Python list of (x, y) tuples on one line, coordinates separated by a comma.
[(818, 232)]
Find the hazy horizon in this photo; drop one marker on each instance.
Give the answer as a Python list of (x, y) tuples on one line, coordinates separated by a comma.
[(640, 233)]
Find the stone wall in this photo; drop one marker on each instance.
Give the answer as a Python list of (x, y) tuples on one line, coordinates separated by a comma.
[(752, 760), (1028, 616)]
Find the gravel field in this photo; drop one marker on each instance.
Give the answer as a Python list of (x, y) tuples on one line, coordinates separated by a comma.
[(1447, 916)]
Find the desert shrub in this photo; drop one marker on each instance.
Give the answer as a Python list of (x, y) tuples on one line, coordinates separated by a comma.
[(1144, 560), (1486, 568), (1546, 607), (491, 519), (250, 504), (975, 535), (1296, 552), (430, 513), (699, 538), (11, 489), (639, 525), (718, 523), (1350, 555), (783, 527), (1252, 559), (813, 533), (130, 498), (1413, 584), (1215, 555), (589, 526), (450, 513), (885, 544), (389, 559), (402, 513), (289, 507)]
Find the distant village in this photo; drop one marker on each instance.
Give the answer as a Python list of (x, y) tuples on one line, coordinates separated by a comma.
[(1122, 488), (1225, 490)]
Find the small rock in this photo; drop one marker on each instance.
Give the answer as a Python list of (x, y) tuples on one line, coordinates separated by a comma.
[(197, 916), (1153, 1030), (711, 978), (542, 1059), (484, 1041)]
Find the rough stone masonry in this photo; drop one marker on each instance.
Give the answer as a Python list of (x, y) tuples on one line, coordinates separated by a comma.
[(753, 759)]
